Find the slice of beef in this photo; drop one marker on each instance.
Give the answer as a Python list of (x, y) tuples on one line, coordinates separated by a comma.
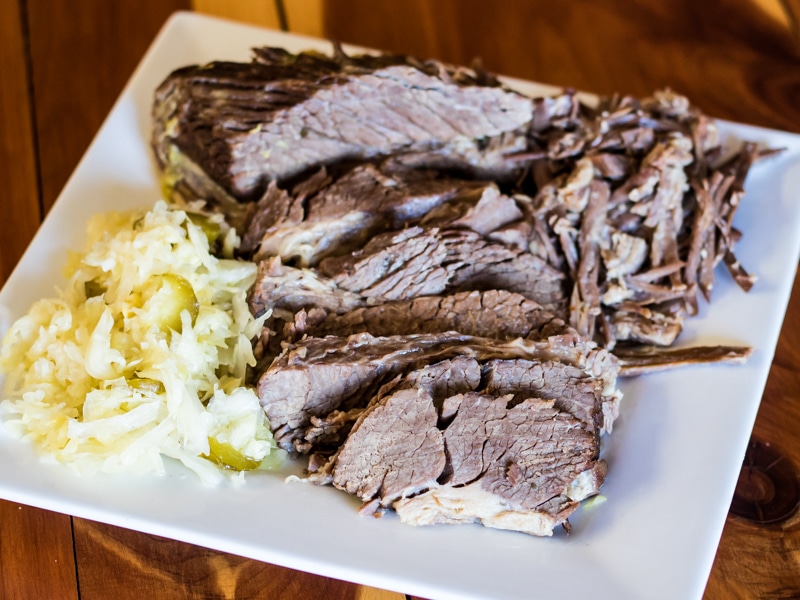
[(491, 212), (429, 261), (573, 391), (246, 124), (329, 214), (395, 451), (285, 292), (305, 303), (317, 376), (492, 314), (521, 466), (439, 380), (526, 453), (443, 379), (279, 287)]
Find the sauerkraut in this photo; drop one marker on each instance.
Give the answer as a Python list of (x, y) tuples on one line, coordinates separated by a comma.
[(144, 354)]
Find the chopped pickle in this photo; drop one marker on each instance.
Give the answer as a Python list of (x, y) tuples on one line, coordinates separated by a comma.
[(93, 289), (146, 385), (210, 228), (169, 295), (228, 457)]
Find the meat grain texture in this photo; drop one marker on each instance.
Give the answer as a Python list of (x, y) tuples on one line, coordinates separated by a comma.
[(457, 273)]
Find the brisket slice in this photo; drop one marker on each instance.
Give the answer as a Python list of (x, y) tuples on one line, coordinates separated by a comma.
[(329, 214), (422, 261), (305, 303), (483, 456), (394, 451), (440, 380), (317, 376), (490, 213), (492, 314), (284, 289), (246, 124), (573, 391)]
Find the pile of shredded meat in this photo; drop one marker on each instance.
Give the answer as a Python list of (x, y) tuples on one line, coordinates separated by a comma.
[(635, 202)]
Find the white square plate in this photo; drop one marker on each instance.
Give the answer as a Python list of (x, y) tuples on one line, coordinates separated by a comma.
[(674, 455)]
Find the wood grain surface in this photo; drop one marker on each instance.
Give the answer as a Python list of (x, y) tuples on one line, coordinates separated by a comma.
[(66, 61), (265, 13), (36, 558), (146, 566), (17, 146)]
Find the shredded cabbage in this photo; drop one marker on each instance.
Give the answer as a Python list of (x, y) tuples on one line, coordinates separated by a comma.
[(143, 355)]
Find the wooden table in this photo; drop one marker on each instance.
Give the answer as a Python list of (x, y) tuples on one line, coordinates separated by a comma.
[(64, 62)]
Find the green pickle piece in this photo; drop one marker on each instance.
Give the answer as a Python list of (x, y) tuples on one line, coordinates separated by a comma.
[(146, 385), (228, 457), (171, 294), (211, 229), (93, 288)]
